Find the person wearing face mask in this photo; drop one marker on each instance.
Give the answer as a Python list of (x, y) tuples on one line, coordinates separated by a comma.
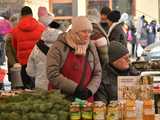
[(118, 66), (73, 64)]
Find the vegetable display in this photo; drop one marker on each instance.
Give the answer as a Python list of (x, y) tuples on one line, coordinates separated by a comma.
[(37, 105)]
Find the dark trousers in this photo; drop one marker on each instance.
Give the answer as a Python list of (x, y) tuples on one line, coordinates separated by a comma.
[(28, 82)]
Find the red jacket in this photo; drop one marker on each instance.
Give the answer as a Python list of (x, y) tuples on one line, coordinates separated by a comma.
[(25, 35)]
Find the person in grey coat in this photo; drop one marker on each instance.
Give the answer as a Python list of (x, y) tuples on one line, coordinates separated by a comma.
[(36, 65), (118, 66)]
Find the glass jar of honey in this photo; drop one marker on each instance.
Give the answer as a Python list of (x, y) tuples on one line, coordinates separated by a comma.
[(75, 112), (148, 110), (113, 111), (99, 110), (86, 111)]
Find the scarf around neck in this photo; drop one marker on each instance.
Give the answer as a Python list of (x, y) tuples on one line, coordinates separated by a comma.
[(74, 41)]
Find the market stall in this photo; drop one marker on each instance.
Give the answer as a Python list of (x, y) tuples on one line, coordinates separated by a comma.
[(52, 105), (152, 69), (136, 101)]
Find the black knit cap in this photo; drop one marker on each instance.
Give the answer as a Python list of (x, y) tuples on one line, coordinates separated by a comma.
[(114, 16), (116, 50), (26, 11)]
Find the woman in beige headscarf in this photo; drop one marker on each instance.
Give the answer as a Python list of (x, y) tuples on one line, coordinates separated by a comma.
[(73, 64)]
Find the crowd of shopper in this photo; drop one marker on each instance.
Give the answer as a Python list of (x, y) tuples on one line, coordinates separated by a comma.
[(83, 62)]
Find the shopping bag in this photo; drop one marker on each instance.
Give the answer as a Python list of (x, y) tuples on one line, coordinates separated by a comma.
[(130, 38), (139, 50)]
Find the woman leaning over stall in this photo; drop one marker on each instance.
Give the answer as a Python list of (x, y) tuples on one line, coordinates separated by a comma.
[(73, 64)]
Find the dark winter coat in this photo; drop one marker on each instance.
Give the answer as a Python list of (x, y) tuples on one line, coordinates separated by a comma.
[(116, 33), (105, 26), (108, 87)]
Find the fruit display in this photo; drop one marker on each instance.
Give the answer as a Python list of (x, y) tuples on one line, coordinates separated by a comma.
[(36, 105)]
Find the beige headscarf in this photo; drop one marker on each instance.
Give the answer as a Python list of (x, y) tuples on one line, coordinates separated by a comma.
[(74, 41), (79, 23)]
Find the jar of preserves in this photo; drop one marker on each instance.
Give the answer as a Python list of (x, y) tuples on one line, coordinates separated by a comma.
[(148, 110), (86, 111), (130, 110), (113, 111), (122, 109), (75, 112), (99, 110)]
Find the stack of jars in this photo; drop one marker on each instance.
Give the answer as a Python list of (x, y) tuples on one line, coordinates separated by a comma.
[(88, 111)]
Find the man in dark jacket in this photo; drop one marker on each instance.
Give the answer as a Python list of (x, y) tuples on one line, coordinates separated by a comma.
[(115, 28), (118, 66)]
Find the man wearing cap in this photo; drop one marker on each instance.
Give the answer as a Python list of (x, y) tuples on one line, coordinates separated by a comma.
[(73, 64), (115, 28), (118, 66)]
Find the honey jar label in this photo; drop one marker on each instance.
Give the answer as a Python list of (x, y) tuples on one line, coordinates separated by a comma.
[(75, 116), (87, 115)]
